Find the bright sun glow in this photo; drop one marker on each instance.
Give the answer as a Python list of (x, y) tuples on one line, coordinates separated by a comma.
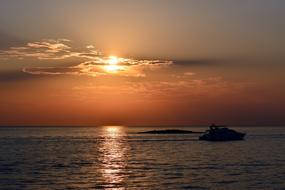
[(113, 130), (113, 60), (112, 64), (112, 68)]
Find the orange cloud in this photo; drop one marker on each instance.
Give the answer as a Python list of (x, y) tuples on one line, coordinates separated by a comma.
[(50, 50), (93, 63)]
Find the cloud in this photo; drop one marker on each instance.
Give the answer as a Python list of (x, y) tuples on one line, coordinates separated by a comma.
[(11, 76), (166, 89), (92, 62), (49, 49), (8, 40), (189, 73), (203, 62), (51, 70), (130, 68)]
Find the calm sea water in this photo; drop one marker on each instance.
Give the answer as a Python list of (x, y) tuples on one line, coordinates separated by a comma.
[(118, 158)]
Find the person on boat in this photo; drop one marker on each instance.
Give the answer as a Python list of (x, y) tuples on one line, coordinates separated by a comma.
[(213, 127)]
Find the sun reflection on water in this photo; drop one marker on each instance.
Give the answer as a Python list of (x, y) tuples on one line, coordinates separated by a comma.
[(113, 151), (113, 130)]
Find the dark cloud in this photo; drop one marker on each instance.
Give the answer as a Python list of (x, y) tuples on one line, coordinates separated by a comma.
[(8, 40), (196, 62), (10, 76)]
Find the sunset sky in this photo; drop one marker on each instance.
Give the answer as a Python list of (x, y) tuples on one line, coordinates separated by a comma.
[(142, 62)]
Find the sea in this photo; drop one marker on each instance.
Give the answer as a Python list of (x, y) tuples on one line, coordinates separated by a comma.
[(118, 157)]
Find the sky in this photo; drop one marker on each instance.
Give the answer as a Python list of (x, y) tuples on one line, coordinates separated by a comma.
[(151, 62)]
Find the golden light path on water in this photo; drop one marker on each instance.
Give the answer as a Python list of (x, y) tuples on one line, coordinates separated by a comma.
[(113, 160)]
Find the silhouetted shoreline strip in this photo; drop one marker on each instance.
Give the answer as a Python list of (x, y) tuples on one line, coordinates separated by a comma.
[(169, 131)]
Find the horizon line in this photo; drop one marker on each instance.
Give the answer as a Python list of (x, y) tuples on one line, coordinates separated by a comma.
[(160, 125)]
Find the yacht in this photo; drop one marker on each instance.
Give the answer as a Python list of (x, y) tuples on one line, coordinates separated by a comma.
[(221, 133)]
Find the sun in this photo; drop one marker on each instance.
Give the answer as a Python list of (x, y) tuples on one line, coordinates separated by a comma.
[(112, 68), (112, 64), (113, 60), (112, 129)]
